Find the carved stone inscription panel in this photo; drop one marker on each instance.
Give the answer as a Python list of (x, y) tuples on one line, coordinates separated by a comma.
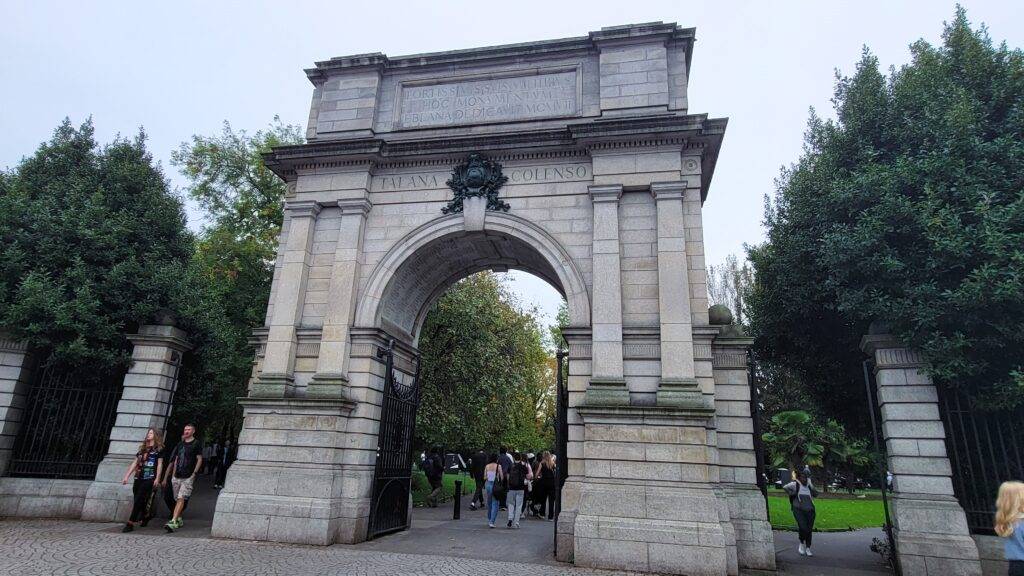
[(542, 95)]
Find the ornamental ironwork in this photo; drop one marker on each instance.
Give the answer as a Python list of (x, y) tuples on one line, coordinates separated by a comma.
[(477, 176)]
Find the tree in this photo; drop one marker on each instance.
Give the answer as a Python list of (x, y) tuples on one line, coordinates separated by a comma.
[(729, 283), (907, 208), (94, 244), (792, 441), (486, 376), (232, 267)]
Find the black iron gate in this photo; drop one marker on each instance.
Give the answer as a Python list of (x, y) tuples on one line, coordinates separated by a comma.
[(389, 506), (561, 435), (65, 430), (985, 449), (883, 477), (753, 380)]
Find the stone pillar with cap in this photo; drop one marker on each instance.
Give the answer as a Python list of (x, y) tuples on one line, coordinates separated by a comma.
[(145, 403), (737, 462), (929, 524)]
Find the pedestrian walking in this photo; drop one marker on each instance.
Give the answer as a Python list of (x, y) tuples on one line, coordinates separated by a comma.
[(505, 462), (228, 453), (433, 467), (146, 467), (477, 463), (494, 487), (518, 475), (544, 487), (186, 462), (1010, 525), (801, 500)]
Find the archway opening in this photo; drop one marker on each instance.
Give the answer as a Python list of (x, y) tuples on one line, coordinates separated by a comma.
[(482, 310)]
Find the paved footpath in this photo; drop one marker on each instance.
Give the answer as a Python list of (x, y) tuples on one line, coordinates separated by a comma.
[(41, 547)]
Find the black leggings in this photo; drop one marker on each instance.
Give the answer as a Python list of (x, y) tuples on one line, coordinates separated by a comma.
[(141, 490), (1016, 568), (805, 524)]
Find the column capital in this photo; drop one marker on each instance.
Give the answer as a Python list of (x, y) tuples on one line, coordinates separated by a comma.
[(605, 192), (668, 190), (355, 205), (303, 208), (161, 335)]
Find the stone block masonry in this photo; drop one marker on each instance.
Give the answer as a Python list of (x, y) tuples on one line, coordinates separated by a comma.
[(604, 175), (930, 526)]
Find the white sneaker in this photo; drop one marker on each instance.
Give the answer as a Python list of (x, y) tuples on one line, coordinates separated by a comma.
[(809, 553), (801, 549)]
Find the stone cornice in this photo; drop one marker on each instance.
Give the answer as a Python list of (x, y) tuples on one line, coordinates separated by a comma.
[(687, 130), (628, 34)]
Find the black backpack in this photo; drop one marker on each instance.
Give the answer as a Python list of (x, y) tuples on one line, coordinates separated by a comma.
[(517, 476)]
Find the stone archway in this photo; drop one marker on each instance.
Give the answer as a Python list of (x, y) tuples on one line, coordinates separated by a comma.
[(576, 160)]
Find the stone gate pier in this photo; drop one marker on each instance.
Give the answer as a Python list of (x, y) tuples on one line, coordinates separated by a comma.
[(577, 160)]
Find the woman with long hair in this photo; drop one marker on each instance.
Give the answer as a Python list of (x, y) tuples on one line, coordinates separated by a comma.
[(544, 487), (1010, 524), (493, 486), (147, 466)]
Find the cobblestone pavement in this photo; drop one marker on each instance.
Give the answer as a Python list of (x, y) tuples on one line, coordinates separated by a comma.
[(44, 547)]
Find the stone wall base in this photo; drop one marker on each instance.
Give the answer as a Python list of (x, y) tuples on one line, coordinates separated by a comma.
[(107, 499), (42, 497), (297, 506), (990, 551), (668, 530), (932, 537), (755, 542)]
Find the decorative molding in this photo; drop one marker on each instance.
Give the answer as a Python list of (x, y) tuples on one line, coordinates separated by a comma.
[(729, 359), (605, 192), (641, 351), (702, 351)]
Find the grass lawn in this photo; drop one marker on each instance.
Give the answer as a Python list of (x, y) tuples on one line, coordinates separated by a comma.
[(833, 514), (421, 488)]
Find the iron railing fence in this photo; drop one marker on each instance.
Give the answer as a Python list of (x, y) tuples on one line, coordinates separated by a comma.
[(65, 429), (985, 448)]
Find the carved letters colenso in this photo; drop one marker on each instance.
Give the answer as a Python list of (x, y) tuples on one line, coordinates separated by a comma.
[(489, 100), (570, 172)]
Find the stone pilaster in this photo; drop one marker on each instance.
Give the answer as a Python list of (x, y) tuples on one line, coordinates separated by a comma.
[(678, 386), (931, 531), (607, 384), (755, 542), (16, 367), (331, 377), (145, 403), (276, 378)]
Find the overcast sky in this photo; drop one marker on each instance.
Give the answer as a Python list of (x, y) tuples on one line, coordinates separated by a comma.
[(179, 68)]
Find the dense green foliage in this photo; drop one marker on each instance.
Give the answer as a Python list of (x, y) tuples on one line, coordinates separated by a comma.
[(908, 208), (486, 375), (795, 438), (232, 264), (94, 244)]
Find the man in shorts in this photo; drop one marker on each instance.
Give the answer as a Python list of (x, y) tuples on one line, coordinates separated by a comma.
[(186, 461)]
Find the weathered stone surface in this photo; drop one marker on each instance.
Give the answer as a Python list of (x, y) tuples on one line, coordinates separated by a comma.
[(606, 175), (930, 526)]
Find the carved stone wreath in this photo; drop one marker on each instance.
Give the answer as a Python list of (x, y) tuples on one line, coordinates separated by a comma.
[(477, 176)]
